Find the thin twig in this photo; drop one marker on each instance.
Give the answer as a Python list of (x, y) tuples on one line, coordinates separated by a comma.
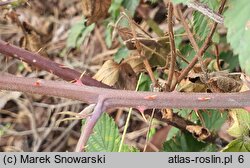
[(201, 51), (172, 44), (193, 42), (148, 131), (205, 10), (141, 52)]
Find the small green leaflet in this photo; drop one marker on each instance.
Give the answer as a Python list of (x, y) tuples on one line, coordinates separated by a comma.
[(78, 33), (121, 54), (238, 145), (131, 6)]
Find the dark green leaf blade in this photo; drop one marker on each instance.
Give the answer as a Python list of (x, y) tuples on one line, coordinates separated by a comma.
[(237, 20)]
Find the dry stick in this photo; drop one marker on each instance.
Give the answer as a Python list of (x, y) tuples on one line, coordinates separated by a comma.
[(43, 63), (201, 51), (205, 10), (141, 52), (193, 42), (109, 98), (172, 44)]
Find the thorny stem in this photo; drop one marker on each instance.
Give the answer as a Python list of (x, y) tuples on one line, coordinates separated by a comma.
[(43, 63), (201, 51), (108, 98), (124, 98)]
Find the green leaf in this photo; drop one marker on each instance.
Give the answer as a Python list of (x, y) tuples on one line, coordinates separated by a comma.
[(78, 33), (238, 145), (114, 8), (201, 22), (105, 137), (183, 142), (172, 133), (144, 84), (187, 113), (108, 36), (84, 34), (131, 5), (210, 148), (121, 54), (231, 60), (237, 20), (214, 119)]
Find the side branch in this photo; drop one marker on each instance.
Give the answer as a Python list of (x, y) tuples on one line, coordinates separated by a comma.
[(90, 123), (43, 63)]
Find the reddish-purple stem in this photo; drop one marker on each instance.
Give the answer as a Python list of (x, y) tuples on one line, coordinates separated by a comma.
[(107, 98), (43, 63), (124, 98)]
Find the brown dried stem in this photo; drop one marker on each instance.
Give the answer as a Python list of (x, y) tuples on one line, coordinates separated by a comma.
[(172, 44), (192, 40), (141, 51)]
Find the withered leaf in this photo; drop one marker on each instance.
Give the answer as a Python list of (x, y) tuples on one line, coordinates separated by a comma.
[(120, 75), (198, 132), (167, 114), (95, 10), (220, 81), (128, 38), (109, 73), (33, 39), (223, 82), (136, 63), (188, 86), (127, 77)]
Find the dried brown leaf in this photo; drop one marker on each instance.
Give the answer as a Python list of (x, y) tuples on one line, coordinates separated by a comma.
[(188, 86), (198, 132), (95, 10), (120, 75), (109, 73), (127, 77), (136, 63)]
